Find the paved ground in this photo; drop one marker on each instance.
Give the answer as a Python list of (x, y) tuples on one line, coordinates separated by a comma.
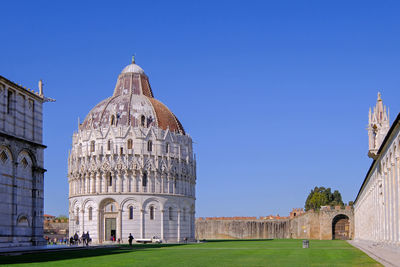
[(388, 255)]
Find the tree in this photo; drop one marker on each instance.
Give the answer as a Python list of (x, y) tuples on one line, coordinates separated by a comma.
[(321, 196), (62, 217)]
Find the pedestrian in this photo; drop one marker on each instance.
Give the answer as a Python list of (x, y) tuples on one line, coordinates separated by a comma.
[(87, 238), (130, 238), (83, 238), (76, 238), (71, 241)]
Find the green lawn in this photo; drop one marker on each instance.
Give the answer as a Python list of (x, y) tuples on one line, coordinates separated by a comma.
[(278, 252)]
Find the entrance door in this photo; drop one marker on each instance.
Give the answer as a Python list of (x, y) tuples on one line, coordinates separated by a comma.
[(111, 228), (341, 227)]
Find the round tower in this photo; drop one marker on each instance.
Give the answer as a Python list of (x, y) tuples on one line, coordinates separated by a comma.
[(131, 168)]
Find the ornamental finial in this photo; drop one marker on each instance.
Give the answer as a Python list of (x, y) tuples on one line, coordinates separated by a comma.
[(133, 59)]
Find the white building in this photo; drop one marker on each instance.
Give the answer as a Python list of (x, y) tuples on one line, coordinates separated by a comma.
[(131, 168), (21, 165), (376, 208)]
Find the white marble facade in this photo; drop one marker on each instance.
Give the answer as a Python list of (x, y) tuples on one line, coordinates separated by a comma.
[(131, 168), (21, 165), (377, 209)]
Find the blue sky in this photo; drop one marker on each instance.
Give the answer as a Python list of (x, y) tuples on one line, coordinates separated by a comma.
[(274, 93)]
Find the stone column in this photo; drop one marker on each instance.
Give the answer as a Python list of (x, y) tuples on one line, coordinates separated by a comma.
[(392, 202), (114, 184), (120, 223), (134, 181), (381, 209), (102, 182), (98, 182), (162, 182), (385, 201), (126, 182), (139, 182), (149, 182), (169, 183), (398, 199), (106, 182), (162, 225), (100, 231), (93, 183), (88, 180), (192, 224), (82, 222), (179, 226), (119, 182), (141, 223), (86, 183)]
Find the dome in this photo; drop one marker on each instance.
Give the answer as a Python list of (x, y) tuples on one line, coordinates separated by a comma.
[(132, 104), (133, 68)]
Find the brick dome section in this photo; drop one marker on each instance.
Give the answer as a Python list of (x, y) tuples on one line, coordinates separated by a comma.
[(165, 118), (132, 102)]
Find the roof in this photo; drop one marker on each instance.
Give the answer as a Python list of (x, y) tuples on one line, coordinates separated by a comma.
[(132, 104), (30, 92), (133, 68), (383, 145)]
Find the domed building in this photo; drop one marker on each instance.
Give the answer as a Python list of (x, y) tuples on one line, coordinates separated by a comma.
[(131, 168)]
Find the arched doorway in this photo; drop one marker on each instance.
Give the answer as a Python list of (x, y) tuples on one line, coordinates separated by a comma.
[(341, 227), (109, 220)]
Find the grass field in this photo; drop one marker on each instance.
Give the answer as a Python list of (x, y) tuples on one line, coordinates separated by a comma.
[(277, 252)]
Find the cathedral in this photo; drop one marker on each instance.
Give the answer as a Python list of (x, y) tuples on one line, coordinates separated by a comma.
[(21, 164), (131, 169), (377, 206)]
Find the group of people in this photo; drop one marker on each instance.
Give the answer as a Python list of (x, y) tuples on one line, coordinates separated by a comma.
[(55, 241), (85, 239)]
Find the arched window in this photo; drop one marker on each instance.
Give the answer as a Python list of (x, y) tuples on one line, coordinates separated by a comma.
[(144, 179), (130, 213), (121, 150), (112, 120), (23, 221), (90, 213), (92, 146), (109, 208), (170, 214), (151, 213), (130, 144), (110, 180), (143, 121), (149, 145), (167, 148), (9, 100), (109, 145), (77, 216)]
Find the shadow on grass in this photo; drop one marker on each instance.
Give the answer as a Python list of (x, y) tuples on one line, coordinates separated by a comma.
[(49, 256), (234, 240)]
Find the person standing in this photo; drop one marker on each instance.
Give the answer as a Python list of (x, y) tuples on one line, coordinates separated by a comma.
[(130, 238), (87, 238), (83, 239), (76, 238)]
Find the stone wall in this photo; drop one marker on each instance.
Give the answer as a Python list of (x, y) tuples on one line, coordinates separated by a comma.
[(310, 225), (242, 229), (55, 229)]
